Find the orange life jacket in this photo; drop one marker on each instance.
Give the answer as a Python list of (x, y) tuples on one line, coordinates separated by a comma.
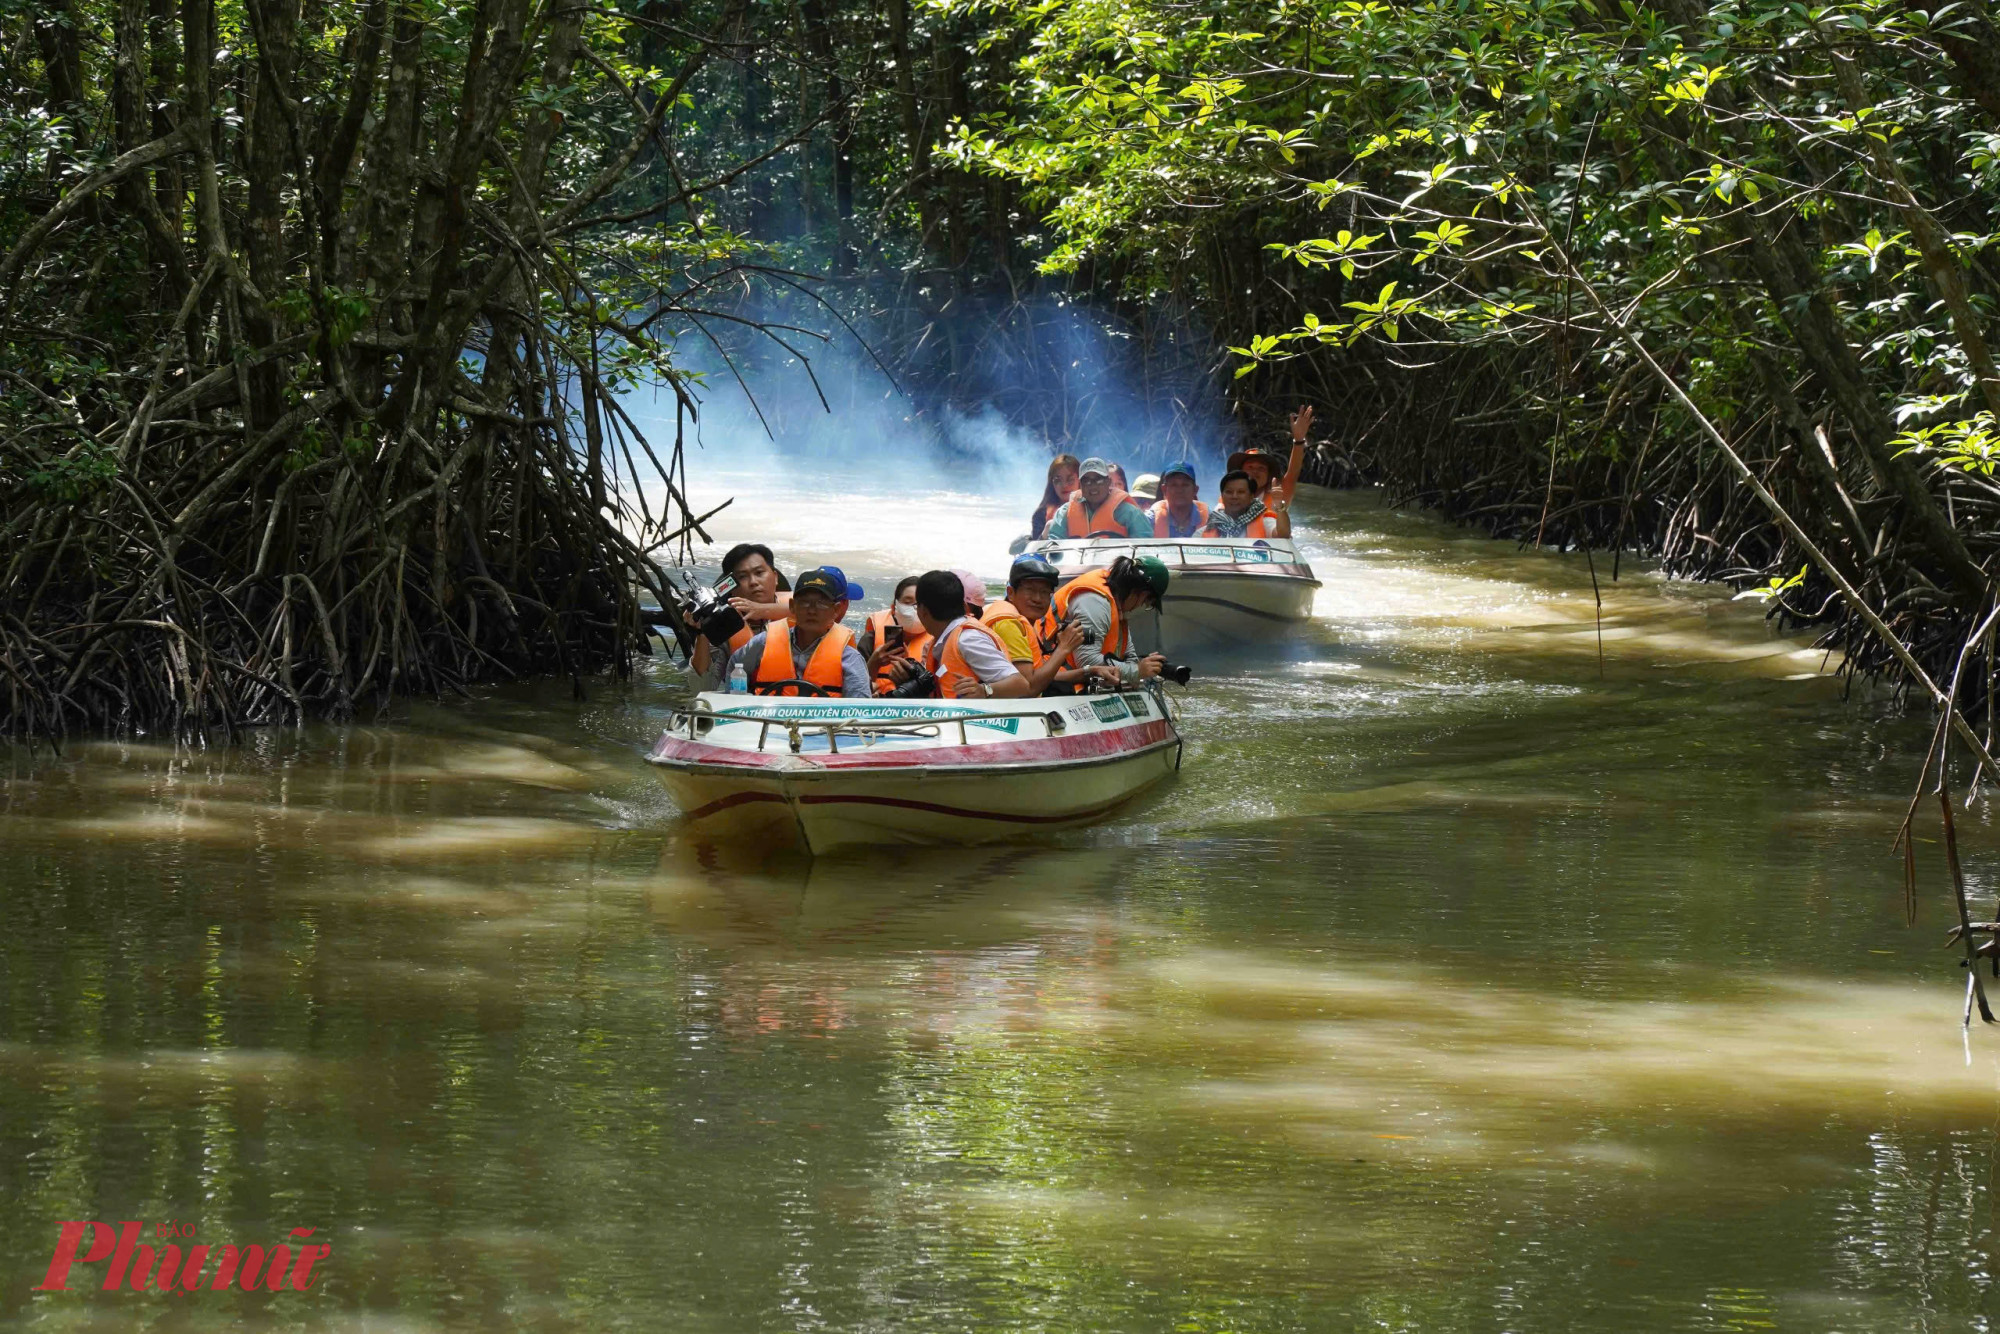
[(1264, 525), (822, 668), (913, 647), (1101, 522), (1162, 522), (996, 612), (943, 657), (1096, 581)]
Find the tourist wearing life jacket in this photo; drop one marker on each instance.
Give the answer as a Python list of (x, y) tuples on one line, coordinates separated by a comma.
[(1099, 509), (812, 647), (964, 656), (1103, 601), (975, 593), (1014, 621), (1242, 514), (1061, 486), (1178, 514), (759, 594), (1263, 468), (893, 640)]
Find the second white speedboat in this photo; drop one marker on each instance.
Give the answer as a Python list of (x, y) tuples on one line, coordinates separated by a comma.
[(1223, 590)]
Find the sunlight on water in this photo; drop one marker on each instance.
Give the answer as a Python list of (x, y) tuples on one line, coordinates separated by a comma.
[(1380, 572), (879, 532), (1454, 984)]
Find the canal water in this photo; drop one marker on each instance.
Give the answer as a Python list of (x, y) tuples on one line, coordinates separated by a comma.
[(1489, 966)]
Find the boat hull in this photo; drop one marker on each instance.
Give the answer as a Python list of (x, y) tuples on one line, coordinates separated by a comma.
[(1220, 591), (1204, 607), (823, 812), (993, 789)]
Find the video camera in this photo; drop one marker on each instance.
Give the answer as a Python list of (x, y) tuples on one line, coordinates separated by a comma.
[(707, 611)]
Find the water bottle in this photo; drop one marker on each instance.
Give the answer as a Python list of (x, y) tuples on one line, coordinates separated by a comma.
[(739, 680)]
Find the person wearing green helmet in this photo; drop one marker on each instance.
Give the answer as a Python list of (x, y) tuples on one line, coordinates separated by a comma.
[(1157, 576), (1103, 602)]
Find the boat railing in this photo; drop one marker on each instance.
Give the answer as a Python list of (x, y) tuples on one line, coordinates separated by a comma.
[(797, 729), (1257, 551)]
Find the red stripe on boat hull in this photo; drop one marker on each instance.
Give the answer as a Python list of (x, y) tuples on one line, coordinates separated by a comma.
[(1087, 746), (734, 799), (960, 812)]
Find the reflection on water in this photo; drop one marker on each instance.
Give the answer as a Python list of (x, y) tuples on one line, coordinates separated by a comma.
[(1457, 983)]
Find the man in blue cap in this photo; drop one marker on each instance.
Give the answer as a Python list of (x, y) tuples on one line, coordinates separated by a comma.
[(813, 653), (1178, 513)]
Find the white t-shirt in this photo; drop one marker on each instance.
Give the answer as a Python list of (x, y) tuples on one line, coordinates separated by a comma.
[(982, 653)]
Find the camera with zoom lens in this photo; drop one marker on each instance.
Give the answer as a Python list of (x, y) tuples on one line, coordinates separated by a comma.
[(1177, 672), (921, 686), (709, 613)]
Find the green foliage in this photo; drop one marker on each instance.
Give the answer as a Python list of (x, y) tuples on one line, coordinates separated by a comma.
[(1972, 445), (77, 475), (307, 307), (1775, 587), (1453, 130), (1778, 199)]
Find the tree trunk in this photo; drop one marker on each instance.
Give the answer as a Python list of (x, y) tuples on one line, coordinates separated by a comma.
[(916, 147), (840, 123)]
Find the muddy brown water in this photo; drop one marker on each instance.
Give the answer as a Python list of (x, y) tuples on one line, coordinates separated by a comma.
[(1457, 983)]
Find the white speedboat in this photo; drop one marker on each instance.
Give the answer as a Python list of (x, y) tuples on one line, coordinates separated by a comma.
[(1223, 589), (830, 772)]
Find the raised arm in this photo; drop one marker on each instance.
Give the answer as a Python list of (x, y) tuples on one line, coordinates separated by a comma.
[(762, 613), (1302, 421)]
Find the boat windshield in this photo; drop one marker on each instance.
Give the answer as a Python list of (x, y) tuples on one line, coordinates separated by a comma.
[(1066, 555)]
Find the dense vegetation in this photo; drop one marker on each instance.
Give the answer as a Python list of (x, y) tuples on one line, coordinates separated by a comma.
[(312, 321), (1787, 207), (316, 311)]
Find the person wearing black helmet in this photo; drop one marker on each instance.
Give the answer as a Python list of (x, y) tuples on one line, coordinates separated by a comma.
[(1030, 584)]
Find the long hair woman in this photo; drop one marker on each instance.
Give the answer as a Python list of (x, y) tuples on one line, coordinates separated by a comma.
[(1063, 481)]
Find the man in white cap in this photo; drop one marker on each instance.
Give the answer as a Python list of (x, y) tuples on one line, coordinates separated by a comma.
[(1098, 509)]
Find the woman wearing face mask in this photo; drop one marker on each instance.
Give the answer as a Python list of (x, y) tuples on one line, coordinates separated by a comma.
[(894, 640)]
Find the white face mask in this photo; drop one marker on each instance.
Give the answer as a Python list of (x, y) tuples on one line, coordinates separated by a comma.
[(906, 616)]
